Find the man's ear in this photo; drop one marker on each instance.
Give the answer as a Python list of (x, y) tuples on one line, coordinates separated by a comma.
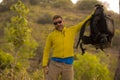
[(63, 21)]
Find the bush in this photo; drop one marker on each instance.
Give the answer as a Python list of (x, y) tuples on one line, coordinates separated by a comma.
[(38, 75), (5, 60), (88, 67)]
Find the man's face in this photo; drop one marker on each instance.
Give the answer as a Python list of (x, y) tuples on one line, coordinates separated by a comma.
[(58, 24)]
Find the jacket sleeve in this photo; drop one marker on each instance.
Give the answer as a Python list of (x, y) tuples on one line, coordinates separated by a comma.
[(76, 28), (46, 51)]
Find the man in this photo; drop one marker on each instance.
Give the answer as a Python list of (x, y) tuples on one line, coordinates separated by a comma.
[(61, 40)]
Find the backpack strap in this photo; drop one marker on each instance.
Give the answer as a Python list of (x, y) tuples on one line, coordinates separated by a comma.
[(81, 36)]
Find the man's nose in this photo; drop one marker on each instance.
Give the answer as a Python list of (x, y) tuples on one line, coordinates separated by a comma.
[(58, 23)]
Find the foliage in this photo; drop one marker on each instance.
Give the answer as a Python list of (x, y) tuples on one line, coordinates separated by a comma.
[(38, 75), (59, 4), (86, 4), (18, 35), (39, 32), (10, 74), (6, 60), (18, 30), (88, 67)]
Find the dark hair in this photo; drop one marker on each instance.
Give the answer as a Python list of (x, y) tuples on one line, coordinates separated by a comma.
[(56, 16)]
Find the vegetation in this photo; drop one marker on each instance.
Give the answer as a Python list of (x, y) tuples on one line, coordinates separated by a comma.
[(21, 44), (89, 67), (24, 27), (86, 4), (5, 60)]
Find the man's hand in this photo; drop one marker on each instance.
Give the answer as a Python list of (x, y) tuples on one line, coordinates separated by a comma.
[(45, 70)]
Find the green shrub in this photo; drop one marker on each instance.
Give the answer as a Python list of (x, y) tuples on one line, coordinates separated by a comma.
[(5, 60), (38, 75), (88, 67)]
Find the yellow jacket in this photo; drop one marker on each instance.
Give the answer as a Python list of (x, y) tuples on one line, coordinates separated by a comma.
[(61, 43)]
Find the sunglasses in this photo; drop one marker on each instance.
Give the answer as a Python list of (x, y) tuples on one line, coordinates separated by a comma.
[(55, 23)]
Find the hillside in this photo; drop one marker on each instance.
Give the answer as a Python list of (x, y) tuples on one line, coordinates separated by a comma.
[(40, 20)]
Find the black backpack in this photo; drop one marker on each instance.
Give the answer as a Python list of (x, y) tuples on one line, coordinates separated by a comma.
[(101, 30)]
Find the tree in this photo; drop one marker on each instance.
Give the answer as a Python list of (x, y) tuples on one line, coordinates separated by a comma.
[(18, 36)]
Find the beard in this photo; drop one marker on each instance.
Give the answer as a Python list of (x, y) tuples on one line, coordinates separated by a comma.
[(59, 27)]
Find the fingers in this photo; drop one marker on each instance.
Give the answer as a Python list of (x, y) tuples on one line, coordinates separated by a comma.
[(45, 69)]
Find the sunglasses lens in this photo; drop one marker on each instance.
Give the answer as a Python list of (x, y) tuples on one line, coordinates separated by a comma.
[(55, 23)]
